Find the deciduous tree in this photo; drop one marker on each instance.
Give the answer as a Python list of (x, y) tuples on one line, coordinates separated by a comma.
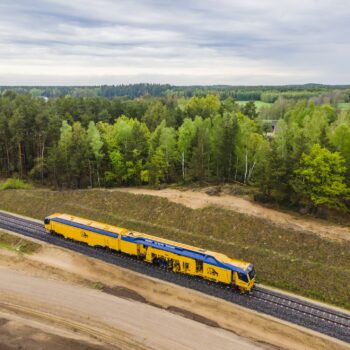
[(319, 179)]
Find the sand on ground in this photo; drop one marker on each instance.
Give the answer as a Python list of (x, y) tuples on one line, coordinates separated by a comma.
[(118, 322), (199, 199), (53, 286)]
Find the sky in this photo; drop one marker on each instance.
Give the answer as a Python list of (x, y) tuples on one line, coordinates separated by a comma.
[(180, 42)]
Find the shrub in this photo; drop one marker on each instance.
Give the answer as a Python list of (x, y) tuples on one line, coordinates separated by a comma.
[(15, 184)]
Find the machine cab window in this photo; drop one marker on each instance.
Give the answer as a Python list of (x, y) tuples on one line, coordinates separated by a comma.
[(46, 221), (243, 277), (251, 273)]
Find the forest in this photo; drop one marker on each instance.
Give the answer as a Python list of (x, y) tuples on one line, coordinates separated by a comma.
[(295, 151), (239, 93)]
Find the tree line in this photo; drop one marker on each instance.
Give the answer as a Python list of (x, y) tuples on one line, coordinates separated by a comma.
[(71, 142), (239, 93)]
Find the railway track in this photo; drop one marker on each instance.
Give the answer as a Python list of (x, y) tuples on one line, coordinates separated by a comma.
[(289, 308), (334, 317)]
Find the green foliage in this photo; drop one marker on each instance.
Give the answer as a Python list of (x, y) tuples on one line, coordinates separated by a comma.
[(188, 134), (95, 142), (227, 144), (340, 139), (205, 107), (132, 91), (320, 178), (127, 142), (98, 285), (249, 110), (157, 167), (155, 114), (162, 154), (14, 184), (117, 163), (200, 160)]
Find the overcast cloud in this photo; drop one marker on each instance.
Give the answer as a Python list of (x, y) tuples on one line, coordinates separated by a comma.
[(81, 42)]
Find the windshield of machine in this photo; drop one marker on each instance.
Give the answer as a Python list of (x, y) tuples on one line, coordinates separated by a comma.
[(243, 277), (252, 273)]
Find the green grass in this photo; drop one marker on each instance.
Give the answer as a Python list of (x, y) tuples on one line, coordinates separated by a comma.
[(258, 104), (97, 285), (284, 258), (344, 106), (17, 244), (14, 184)]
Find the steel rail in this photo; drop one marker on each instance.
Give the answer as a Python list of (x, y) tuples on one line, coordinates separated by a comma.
[(306, 308)]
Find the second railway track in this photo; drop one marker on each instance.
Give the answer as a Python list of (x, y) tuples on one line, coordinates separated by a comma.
[(319, 318)]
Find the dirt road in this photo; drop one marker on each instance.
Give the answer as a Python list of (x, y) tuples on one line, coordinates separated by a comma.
[(199, 199)]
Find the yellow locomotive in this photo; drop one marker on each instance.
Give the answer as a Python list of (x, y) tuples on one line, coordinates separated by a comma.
[(172, 255)]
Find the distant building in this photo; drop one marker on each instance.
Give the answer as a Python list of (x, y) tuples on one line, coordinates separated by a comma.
[(270, 127), (45, 98)]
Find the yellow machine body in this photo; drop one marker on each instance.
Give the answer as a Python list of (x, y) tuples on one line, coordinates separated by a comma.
[(178, 257)]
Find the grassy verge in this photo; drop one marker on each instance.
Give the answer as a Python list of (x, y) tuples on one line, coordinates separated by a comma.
[(287, 259), (17, 244)]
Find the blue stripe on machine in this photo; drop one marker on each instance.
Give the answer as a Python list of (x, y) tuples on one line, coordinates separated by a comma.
[(85, 227), (208, 259)]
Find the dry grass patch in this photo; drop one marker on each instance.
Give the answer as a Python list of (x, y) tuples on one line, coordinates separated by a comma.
[(17, 244)]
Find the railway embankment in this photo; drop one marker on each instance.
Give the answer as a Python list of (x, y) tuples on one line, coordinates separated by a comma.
[(288, 258)]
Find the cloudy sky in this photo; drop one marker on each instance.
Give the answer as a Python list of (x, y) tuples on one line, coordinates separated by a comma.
[(83, 42)]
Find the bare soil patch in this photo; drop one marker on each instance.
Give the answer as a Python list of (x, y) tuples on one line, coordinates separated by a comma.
[(202, 199), (126, 293), (15, 333), (193, 316), (130, 294)]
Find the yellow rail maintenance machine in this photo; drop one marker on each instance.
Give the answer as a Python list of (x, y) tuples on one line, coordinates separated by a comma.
[(168, 254)]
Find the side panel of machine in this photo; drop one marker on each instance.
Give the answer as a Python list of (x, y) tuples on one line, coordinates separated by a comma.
[(129, 247), (190, 266), (84, 235), (175, 262), (217, 274)]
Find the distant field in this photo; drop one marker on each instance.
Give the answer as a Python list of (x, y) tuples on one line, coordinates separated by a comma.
[(284, 258), (344, 106), (258, 104)]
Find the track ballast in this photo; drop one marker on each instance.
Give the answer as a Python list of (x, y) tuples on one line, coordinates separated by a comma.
[(289, 308)]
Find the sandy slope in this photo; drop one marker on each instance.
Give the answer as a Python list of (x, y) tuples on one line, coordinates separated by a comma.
[(18, 329), (120, 322), (199, 199), (136, 313)]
